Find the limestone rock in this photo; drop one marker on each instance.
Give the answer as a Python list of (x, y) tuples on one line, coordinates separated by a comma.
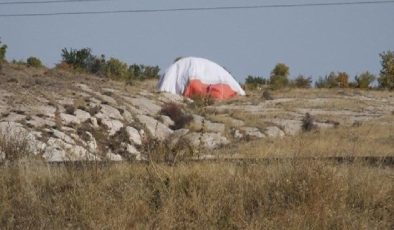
[(108, 111), (149, 107), (134, 135), (155, 128), (112, 125), (113, 157), (248, 132), (274, 132), (208, 140), (81, 115), (69, 119)]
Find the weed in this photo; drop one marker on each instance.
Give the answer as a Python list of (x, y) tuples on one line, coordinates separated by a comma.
[(175, 112)]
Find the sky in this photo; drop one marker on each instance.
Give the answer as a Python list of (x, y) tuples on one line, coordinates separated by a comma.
[(312, 41)]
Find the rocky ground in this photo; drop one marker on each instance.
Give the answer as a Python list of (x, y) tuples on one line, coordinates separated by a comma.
[(66, 116)]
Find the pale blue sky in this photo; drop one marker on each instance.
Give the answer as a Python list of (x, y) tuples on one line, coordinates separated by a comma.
[(312, 41)]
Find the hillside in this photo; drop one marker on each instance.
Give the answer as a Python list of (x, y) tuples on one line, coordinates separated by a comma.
[(63, 116)]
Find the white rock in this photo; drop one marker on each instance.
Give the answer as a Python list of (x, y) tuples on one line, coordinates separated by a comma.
[(14, 117), (252, 132), (155, 128), (133, 151), (58, 150), (109, 112), (166, 120), (274, 132), (64, 137), (134, 135), (209, 140), (38, 122), (112, 125), (94, 122), (69, 119), (148, 106), (114, 157), (81, 115)]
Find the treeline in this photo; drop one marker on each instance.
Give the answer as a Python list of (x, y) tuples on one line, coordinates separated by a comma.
[(83, 60), (279, 78)]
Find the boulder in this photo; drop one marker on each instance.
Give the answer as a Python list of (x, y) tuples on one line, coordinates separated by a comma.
[(112, 125), (147, 106), (156, 129), (81, 115), (274, 132), (133, 135), (206, 140), (108, 111), (248, 132)]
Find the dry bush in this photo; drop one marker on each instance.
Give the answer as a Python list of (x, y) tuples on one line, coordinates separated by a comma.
[(308, 123), (176, 113), (14, 145), (70, 109)]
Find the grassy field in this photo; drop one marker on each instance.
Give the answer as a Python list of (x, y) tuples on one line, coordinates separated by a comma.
[(285, 195), (293, 193)]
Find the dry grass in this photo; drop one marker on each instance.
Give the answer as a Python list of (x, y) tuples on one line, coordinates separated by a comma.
[(368, 139), (290, 195)]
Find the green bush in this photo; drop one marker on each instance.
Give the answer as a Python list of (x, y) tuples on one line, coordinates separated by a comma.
[(329, 81), (143, 72), (33, 62), (386, 78), (279, 76), (116, 69), (253, 82), (301, 82), (83, 60), (364, 80), (3, 50)]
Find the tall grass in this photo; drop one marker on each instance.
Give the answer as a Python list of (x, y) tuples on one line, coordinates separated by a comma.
[(290, 195)]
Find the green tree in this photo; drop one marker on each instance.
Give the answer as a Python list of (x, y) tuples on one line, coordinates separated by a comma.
[(329, 81), (279, 76), (3, 50), (33, 62), (302, 82), (252, 82), (364, 80), (116, 69), (386, 79)]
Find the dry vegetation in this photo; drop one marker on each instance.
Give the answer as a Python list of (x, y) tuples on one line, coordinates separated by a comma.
[(291, 195), (287, 194)]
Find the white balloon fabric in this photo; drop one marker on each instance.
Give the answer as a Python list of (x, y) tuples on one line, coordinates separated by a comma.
[(178, 75)]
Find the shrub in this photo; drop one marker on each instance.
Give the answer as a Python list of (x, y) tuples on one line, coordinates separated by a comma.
[(267, 95), (308, 123), (143, 72), (279, 76), (33, 62), (386, 78), (14, 145), (116, 69), (302, 82), (253, 82), (329, 81), (364, 80), (3, 50), (175, 112), (343, 80)]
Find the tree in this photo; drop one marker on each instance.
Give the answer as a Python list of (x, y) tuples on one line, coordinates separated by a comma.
[(386, 79), (329, 81), (33, 62), (364, 80), (253, 82), (116, 69), (302, 82), (3, 49), (343, 80), (279, 76)]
